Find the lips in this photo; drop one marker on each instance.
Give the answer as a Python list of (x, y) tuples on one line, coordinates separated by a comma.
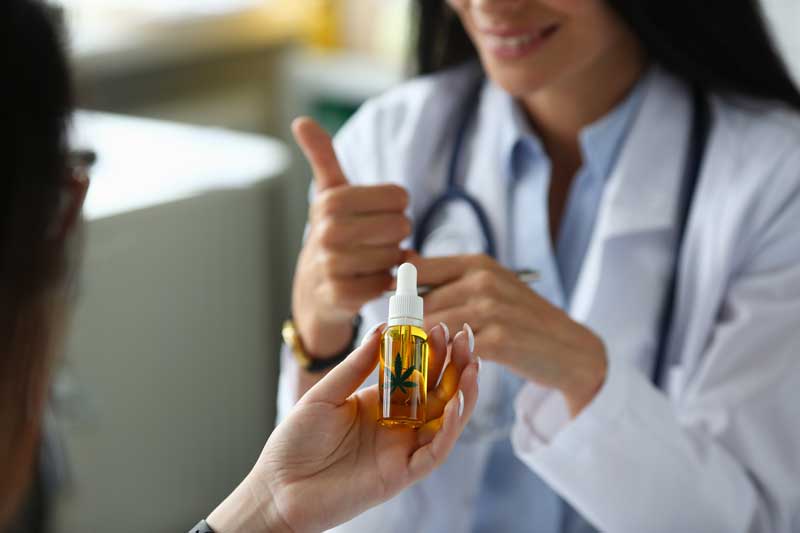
[(514, 44)]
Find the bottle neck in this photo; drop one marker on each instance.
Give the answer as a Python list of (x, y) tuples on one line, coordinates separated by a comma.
[(405, 321)]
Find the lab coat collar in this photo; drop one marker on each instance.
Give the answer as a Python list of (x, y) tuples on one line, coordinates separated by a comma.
[(602, 140), (642, 193)]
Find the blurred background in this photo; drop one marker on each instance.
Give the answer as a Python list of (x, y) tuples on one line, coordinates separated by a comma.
[(195, 215)]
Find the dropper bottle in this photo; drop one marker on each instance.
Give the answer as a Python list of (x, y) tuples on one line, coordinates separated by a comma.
[(403, 382)]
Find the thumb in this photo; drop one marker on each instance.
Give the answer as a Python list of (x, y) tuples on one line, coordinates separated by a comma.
[(317, 146), (347, 376)]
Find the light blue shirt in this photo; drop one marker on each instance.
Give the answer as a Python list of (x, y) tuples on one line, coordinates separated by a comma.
[(513, 498)]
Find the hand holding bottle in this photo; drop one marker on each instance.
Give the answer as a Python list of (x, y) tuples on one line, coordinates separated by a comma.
[(352, 244), (331, 460)]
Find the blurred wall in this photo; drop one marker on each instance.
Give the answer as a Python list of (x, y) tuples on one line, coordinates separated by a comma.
[(784, 15), (168, 392)]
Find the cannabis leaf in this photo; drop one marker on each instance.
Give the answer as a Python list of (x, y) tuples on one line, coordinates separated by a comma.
[(399, 378)]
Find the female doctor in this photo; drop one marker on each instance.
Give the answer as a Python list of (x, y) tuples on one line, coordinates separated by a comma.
[(644, 157)]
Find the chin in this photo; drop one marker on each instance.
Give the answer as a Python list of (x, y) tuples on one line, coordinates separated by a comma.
[(516, 80)]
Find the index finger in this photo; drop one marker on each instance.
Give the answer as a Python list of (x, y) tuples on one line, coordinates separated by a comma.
[(441, 270)]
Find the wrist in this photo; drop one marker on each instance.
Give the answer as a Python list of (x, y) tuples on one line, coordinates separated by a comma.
[(584, 381), (250, 508), (324, 339)]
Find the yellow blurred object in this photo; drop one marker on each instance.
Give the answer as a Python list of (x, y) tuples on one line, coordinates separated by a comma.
[(325, 24)]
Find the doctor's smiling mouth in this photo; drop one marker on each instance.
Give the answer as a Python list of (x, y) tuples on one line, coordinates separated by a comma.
[(507, 43), (529, 48), (506, 34)]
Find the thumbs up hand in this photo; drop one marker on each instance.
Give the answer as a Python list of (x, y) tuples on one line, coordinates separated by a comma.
[(352, 244)]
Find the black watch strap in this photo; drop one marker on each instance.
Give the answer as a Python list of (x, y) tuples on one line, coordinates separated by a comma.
[(321, 365), (201, 527)]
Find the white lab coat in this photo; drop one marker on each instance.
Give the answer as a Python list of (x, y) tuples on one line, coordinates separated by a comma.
[(719, 449)]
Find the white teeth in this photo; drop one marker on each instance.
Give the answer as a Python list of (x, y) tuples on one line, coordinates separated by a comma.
[(509, 42)]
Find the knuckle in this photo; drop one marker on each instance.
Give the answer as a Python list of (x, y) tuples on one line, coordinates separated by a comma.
[(551, 320), (321, 204), (405, 227), (337, 200), (493, 336), (330, 264), (331, 202), (484, 307), (401, 194), (483, 261), (327, 232), (338, 292), (395, 227), (395, 256), (484, 280), (385, 259)]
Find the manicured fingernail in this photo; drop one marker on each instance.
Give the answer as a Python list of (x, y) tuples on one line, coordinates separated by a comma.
[(471, 337), (460, 403), (446, 332), (479, 361), (371, 332)]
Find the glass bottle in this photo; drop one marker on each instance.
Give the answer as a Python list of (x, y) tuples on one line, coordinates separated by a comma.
[(403, 380)]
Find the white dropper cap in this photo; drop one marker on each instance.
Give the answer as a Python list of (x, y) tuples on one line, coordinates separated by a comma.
[(405, 307)]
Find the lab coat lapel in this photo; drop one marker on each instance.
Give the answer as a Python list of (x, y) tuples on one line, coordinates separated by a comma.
[(621, 285)]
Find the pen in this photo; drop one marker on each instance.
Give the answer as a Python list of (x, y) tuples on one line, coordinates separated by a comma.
[(525, 276)]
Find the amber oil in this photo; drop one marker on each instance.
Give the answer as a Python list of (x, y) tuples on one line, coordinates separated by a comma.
[(403, 380)]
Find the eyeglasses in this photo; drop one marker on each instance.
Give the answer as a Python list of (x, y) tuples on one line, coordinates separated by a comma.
[(80, 162), (72, 190)]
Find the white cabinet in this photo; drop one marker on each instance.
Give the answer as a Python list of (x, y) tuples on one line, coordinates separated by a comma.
[(168, 390)]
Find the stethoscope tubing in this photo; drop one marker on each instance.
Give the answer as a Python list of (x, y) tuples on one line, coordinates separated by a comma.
[(698, 141)]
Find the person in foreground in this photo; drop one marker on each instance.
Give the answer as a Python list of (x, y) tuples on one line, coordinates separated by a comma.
[(325, 464)]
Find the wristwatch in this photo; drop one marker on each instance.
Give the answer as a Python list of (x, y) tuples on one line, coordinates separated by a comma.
[(311, 364), (201, 527)]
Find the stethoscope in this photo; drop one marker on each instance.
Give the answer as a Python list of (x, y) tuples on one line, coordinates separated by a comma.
[(698, 141)]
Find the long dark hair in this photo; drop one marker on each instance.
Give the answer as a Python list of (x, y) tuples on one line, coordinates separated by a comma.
[(34, 113), (722, 46)]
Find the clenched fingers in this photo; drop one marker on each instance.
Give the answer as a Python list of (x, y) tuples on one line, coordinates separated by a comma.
[(460, 356), (361, 230)]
